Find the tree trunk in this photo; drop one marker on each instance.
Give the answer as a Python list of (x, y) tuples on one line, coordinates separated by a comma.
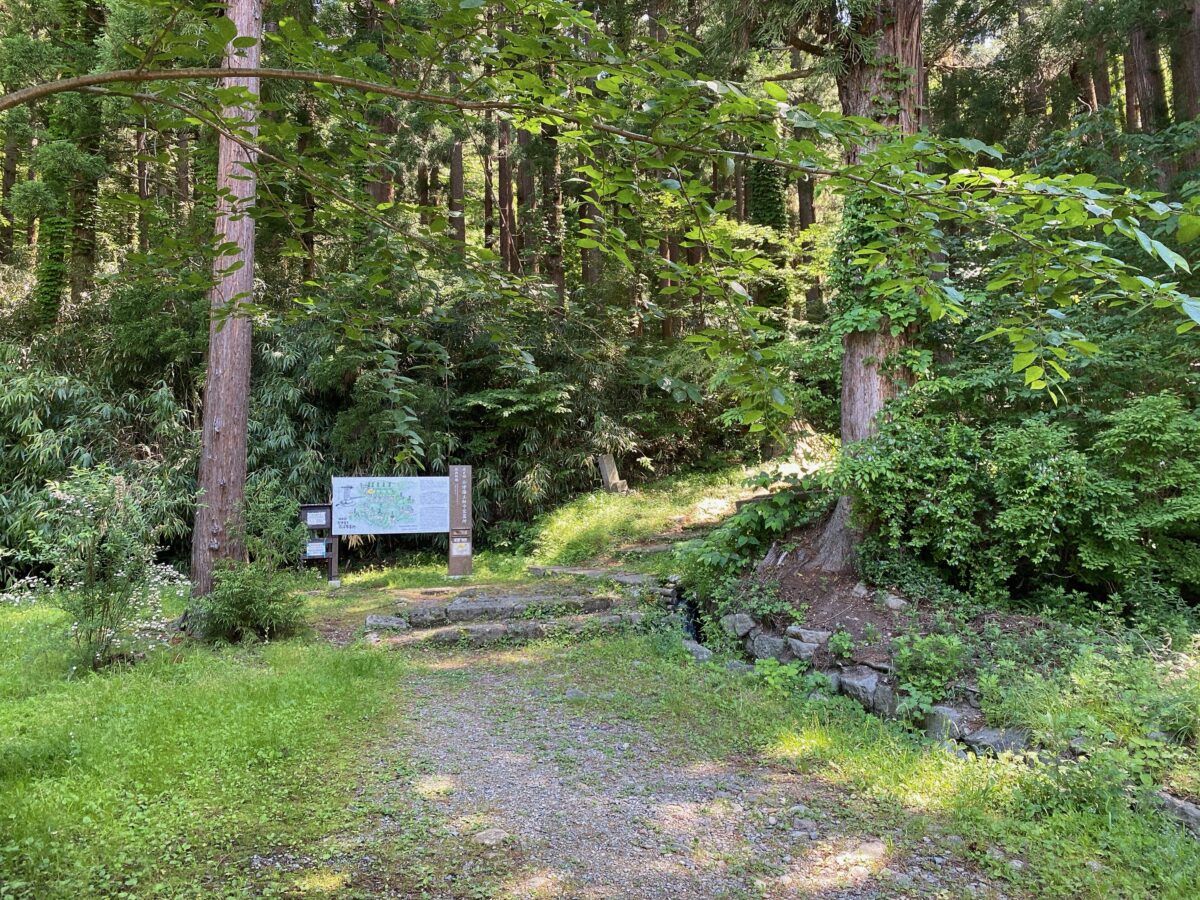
[(1145, 81), (423, 192), (8, 180), (589, 257), (527, 236), (1101, 82), (489, 187), (458, 219), (382, 186), (183, 154), (1185, 64), (508, 244), (886, 86), (143, 192), (552, 203), (218, 532)]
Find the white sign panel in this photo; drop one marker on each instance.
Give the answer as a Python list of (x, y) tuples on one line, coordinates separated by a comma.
[(391, 505), (316, 519)]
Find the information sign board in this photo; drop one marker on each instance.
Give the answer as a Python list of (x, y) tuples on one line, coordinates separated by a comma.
[(381, 505)]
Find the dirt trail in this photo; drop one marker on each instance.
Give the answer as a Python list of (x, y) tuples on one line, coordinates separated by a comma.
[(592, 809)]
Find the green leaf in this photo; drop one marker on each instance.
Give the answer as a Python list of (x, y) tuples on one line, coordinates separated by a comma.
[(1189, 229), (774, 91), (1023, 361)]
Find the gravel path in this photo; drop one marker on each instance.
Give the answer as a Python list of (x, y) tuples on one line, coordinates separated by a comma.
[(589, 809)]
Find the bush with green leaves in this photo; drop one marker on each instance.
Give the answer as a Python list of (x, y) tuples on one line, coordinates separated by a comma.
[(99, 544), (1087, 525), (256, 598)]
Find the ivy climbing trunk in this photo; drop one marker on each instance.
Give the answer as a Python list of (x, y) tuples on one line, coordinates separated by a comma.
[(218, 533), (885, 85)]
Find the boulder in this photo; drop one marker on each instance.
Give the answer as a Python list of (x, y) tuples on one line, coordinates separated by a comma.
[(997, 740), (809, 636), (861, 591), (883, 701), (699, 652), (391, 623), (894, 602), (945, 723), (1186, 812), (737, 625), (491, 837), (738, 667), (859, 684), (802, 650), (770, 646)]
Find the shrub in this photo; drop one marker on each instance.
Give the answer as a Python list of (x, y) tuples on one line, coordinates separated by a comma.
[(251, 600), (100, 547), (1090, 527), (929, 663), (256, 598)]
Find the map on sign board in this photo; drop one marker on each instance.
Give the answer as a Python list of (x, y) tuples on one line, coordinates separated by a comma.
[(391, 505)]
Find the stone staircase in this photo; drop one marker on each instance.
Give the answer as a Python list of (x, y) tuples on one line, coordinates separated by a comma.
[(482, 616)]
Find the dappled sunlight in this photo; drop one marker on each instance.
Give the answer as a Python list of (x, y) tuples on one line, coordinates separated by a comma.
[(434, 787)]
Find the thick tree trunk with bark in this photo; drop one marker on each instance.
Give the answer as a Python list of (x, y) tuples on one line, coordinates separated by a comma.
[(143, 192), (886, 86), (1101, 81), (489, 187), (526, 207), (552, 205), (1185, 64), (218, 531), (504, 192), (1144, 80), (8, 181), (458, 218)]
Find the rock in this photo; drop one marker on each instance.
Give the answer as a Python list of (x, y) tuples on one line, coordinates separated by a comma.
[(859, 683), (997, 740), (861, 591), (632, 579), (574, 694), (372, 637), (894, 602), (737, 625), (1186, 812), (802, 650), (806, 825), (699, 652), (769, 646), (392, 623), (738, 667), (945, 723), (808, 635), (491, 837), (884, 702)]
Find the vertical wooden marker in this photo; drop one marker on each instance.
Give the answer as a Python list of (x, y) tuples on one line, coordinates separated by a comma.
[(460, 521)]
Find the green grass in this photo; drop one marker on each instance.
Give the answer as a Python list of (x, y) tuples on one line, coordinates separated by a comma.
[(597, 524), (890, 777), (162, 779)]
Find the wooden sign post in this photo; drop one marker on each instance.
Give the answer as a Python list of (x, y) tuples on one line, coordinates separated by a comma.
[(322, 543), (460, 521)]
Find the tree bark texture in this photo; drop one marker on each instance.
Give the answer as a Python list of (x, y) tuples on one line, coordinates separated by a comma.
[(885, 85), (458, 218), (504, 195), (218, 531), (8, 181)]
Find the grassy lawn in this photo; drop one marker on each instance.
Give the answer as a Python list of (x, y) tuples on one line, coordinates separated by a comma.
[(162, 779)]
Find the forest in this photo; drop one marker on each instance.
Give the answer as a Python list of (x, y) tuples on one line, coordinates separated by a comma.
[(902, 288)]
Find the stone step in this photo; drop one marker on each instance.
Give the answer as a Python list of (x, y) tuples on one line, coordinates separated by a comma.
[(483, 634), (492, 606), (630, 579)]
